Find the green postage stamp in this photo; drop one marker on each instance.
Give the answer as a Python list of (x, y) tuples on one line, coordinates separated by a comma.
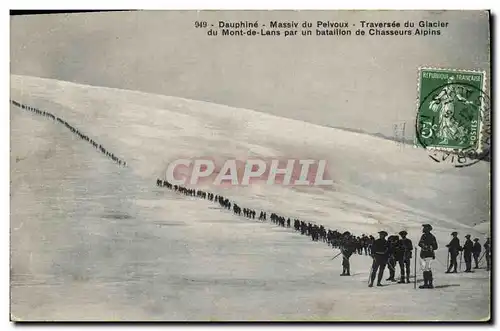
[(451, 108)]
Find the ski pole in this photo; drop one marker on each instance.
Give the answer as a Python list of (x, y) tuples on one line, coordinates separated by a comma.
[(479, 261), (390, 267), (415, 282), (333, 258), (460, 267)]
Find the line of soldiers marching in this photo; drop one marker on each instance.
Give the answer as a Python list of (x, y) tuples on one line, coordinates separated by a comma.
[(319, 233), (396, 250), (73, 129)]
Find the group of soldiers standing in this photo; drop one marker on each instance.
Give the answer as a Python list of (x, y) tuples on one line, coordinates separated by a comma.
[(470, 250), (384, 253), (400, 250)]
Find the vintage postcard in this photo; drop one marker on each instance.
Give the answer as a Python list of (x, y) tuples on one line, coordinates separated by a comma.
[(250, 166)]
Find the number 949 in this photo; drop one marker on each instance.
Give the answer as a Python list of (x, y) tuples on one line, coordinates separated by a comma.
[(200, 24)]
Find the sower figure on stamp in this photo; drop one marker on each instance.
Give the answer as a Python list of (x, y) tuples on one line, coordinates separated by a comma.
[(453, 249), (444, 102), (487, 253), (404, 256), (428, 245), (476, 252), (468, 248), (380, 251), (391, 263)]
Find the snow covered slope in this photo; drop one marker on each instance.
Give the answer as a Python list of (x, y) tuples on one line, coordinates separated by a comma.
[(376, 182), (88, 233)]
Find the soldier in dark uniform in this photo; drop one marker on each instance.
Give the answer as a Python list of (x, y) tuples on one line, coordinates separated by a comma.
[(371, 239), (487, 253), (476, 251), (391, 263), (380, 254), (364, 242), (303, 228), (359, 245), (453, 250), (468, 248), (428, 245), (404, 256), (348, 247)]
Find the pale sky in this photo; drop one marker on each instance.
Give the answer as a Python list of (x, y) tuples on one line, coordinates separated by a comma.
[(367, 83)]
